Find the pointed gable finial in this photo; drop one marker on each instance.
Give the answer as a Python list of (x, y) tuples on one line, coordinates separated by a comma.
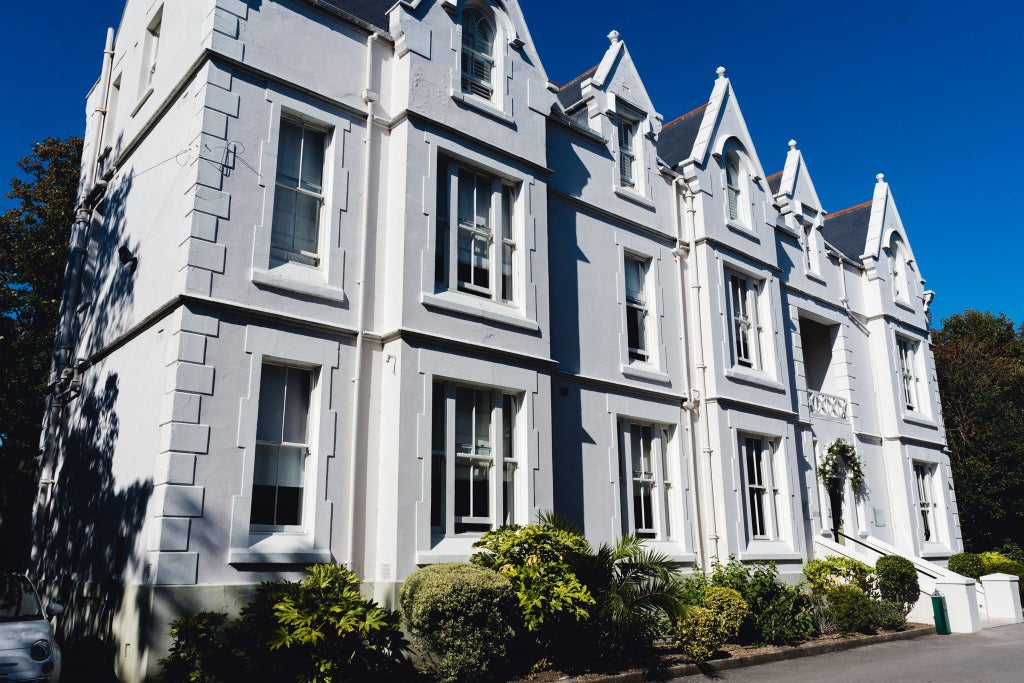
[(614, 36), (792, 144), (880, 177), (720, 71)]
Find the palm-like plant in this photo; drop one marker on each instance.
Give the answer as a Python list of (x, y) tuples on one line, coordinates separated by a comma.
[(638, 591)]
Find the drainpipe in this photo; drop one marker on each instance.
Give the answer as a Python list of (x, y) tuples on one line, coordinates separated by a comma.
[(710, 513), (370, 99), (687, 410)]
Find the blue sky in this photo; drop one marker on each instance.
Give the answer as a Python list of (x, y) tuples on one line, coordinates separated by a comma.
[(929, 93)]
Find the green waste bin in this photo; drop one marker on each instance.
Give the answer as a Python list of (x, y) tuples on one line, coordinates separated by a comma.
[(941, 615)]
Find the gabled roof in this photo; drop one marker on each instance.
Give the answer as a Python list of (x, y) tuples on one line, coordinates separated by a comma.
[(774, 182), (847, 230), (678, 135), (372, 12), (571, 93)]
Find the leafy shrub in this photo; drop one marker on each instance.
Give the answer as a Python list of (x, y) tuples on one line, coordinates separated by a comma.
[(462, 616), (730, 607), (699, 633), (823, 574), (851, 610), (997, 563), (966, 564), (539, 559), (199, 651), (341, 635), (779, 613), (897, 581), (890, 615), (1011, 550)]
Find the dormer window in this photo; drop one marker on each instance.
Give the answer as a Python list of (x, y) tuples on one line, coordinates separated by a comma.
[(898, 270), (734, 186), (627, 149), (477, 54)]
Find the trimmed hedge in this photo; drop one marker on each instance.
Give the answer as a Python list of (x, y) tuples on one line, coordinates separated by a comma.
[(851, 610), (967, 564), (730, 607), (897, 581), (463, 618), (699, 633), (889, 615)]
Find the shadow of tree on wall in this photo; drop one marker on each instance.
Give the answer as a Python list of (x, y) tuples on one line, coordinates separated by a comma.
[(91, 527), (86, 533)]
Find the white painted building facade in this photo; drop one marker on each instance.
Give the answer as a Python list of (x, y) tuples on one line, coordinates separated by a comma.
[(395, 288)]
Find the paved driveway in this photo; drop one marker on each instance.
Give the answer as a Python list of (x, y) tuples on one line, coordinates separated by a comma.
[(995, 655)]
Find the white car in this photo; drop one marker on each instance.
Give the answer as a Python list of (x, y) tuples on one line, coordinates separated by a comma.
[(28, 651)]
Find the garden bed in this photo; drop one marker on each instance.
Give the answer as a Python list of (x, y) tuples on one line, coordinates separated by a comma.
[(669, 662)]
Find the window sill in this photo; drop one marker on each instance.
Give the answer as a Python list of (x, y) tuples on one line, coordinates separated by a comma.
[(673, 550), (483, 106), (935, 551), (142, 100), (769, 551), (905, 305), (638, 371), (755, 377), (633, 196), (742, 230), (919, 419), (279, 548), (817, 278), (293, 282), (467, 304), (449, 549)]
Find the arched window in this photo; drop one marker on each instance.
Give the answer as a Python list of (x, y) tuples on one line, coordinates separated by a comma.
[(735, 185), (898, 269), (477, 53)]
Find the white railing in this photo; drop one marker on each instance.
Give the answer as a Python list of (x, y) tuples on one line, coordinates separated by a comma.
[(827, 405)]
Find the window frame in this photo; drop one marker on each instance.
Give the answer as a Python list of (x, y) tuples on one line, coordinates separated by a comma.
[(150, 52), (505, 411), (908, 373), (899, 269), (737, 189), (662, 482), (301, 257), (924, 501), (748, 315), (325, 281), (627, 126), (767, 488), (503, 234), (642, 307), (307, 451), (312, 542), (467, 81)]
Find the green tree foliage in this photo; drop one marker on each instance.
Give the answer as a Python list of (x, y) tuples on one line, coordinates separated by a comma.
[(979, 358), (34, 237)]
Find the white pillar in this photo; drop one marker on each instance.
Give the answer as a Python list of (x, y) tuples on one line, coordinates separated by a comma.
[(961, 604), (1002, 597)]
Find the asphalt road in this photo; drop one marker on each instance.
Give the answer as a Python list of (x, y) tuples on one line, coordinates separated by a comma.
[(995, 655)]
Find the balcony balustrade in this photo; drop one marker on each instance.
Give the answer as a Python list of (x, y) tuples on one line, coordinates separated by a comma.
[(827, 405)]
